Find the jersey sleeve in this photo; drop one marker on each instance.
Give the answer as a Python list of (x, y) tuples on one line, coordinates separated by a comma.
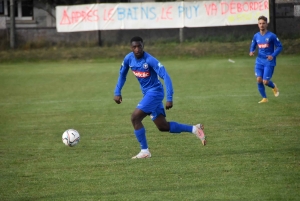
[(163, 74), (253, 44), (122, 77), (278, 46)]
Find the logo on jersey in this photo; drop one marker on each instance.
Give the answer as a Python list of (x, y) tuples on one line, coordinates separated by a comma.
[(266, 45), (141, 74), (145, 66), (267, 39), (160, 65)]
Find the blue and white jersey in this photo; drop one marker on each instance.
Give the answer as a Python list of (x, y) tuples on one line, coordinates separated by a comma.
[(147, 70), (266, 44)]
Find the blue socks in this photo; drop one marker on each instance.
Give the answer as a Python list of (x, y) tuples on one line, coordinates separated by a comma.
[(261, 89), (178, 128), (271, 84), (174, 128), (141, 137)]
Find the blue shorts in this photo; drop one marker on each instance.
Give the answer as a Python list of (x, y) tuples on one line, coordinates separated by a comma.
[(265, 71), (152, 104)]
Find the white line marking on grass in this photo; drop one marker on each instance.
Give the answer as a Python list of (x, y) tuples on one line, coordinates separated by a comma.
[(230, 60)]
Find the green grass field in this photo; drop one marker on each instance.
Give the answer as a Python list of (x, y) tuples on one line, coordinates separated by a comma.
[(253, 150)]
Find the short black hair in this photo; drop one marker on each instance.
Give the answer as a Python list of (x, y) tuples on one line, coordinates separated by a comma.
[(263, 18), (136, 38)]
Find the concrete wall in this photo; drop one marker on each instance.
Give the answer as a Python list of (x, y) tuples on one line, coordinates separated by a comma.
[(42, 30), (285, 27), (288, 26)]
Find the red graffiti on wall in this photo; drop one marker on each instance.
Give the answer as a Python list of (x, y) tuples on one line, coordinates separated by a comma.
[(233, 7), (79, 16), (108, 14), (166, 13)]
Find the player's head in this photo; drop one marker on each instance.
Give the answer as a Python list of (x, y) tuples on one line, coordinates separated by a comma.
[(137, 46), (262, 23)]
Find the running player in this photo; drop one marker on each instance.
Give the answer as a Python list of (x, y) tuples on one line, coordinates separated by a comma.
[(266, 58), (147, 69)]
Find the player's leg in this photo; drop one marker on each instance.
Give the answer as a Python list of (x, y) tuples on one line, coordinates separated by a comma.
[(159, 118), (268, 73), (140, 132), (150, 101), (259, 72)]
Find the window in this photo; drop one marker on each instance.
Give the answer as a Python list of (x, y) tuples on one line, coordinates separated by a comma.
[(27, 8), (284, 10), (1, 7), (23, 9)]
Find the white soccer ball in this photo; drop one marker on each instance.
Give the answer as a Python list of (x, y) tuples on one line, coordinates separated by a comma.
[(71, 137)]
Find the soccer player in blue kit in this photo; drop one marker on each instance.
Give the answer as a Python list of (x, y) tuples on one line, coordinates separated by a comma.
[(147, 70), (266, 58)]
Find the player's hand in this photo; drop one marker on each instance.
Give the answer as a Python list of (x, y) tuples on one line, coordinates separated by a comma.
[(269, 57), (118, 99), (169, 105), (251, 54)]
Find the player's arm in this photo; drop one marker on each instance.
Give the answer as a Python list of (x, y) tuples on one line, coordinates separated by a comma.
[(278, 46), (169, 87), (163, 74), (253, 46), (121, 81)]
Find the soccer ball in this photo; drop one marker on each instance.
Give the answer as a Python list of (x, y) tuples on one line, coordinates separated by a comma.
[(71, 137)]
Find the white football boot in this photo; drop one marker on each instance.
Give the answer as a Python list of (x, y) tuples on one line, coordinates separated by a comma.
[(200, 133), (142, 154)]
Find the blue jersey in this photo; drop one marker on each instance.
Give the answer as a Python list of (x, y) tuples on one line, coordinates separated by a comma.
[(266, 44), (147, 70)]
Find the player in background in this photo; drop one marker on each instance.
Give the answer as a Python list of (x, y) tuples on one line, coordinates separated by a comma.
[(266, 58), (147, 69)]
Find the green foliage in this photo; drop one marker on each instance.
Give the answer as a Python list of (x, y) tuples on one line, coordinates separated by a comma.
[(252, 153), (161, 49), (223, 39)]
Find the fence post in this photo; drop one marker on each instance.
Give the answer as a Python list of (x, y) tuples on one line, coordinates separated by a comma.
[(99, 32), (181, 35), (273, 15), (12, 25)]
